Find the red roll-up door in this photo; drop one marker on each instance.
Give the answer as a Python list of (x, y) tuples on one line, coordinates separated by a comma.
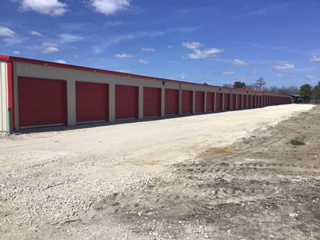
[(187, 99), (199, 102), (92, 100), (234, 101), (249, 101), (172, 102), (245, 101), (210, 102), (259, 101), (219, 102), (226, 102), (151, 102), (42, 102), (239, 101), (127, 102)]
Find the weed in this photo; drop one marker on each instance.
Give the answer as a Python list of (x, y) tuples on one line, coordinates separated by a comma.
[(297, 142)]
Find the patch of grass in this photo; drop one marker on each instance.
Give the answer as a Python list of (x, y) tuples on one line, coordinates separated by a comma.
[(297, 142)]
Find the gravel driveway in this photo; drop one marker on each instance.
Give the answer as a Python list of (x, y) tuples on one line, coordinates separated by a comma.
[(50, 180)]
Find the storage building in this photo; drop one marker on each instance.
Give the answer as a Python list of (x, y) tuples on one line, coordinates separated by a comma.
[(38, 93)]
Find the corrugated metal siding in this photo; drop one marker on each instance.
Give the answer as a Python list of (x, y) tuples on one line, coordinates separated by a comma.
[(127, 102), (41, 102), (219, 102), (171, 102), (250, 101), (3, 96), (210, 101), (187, 100), (239, 102), (226, 102), (151, 102), (199, 102), (92, 102), (245, 102), (234, 102)]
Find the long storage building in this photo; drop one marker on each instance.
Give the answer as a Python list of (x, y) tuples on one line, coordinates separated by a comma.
[(38, 93)]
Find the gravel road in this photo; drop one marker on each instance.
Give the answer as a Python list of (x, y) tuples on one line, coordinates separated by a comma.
[(51, 179)]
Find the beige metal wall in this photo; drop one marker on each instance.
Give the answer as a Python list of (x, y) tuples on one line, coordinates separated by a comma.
[(72, 75), (3, 96)]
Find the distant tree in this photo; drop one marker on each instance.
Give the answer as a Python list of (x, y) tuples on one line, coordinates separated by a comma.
[(251, 86), (283, 90), (227, 85), (260, 83), (305, 92), (316, 92), (238, 84), (289, 90)]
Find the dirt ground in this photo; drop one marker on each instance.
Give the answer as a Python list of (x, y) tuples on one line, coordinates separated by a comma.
[(249, 182)]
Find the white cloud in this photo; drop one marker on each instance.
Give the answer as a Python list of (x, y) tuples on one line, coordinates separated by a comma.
[(97, 50), (35, 33), (182, 29), (70, 38), (60, 61), (109, 7), (203, 54), (309, 77), (315, 59), (283, 66), (199, 53), (6, 32), (48, 7), (113, 23), (16, 52), (192, 45), (228, 73), (49, 48), (238, 62), (14, 40), (123, 55), (279, 75), (132, 36), (143, 62), (148, 49)]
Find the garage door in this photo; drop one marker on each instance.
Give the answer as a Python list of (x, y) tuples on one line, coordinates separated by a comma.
[(250, 101), (239, 102), (42, 102), (151, 102), (245, 97), (92, 102), (199, 102), (210, 102), (234, 101), (172, 102), (187, 102), (226, 102), (127, 102), (219, 102)]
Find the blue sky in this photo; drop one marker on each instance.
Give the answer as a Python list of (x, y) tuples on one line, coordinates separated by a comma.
[(212, 41)]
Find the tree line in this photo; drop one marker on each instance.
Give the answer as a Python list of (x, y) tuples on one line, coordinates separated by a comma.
[(307, 92)]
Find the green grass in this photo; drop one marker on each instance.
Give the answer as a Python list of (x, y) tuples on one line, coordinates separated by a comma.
[(297, 142)]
